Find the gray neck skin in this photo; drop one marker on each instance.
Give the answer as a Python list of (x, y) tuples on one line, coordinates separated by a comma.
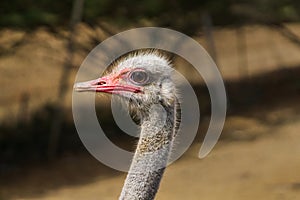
[(152, 153)]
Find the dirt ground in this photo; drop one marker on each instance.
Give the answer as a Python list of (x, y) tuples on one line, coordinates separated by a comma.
[(266, 167), (258, 157)]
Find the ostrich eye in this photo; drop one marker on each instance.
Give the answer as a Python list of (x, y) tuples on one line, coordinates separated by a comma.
[(139, 77)]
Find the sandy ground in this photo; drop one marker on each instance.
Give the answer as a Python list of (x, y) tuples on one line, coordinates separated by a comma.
[(260, 160), (266, 167), (32, 63)]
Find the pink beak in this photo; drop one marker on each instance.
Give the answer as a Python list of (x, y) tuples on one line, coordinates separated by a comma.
[(105, 84)]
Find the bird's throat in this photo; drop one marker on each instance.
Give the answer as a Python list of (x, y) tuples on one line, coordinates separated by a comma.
[(152, 153)]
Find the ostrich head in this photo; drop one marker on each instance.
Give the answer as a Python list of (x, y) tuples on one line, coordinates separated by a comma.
[(144, 78)]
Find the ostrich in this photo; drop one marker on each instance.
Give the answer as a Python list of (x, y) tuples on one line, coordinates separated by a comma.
[(144, 78)]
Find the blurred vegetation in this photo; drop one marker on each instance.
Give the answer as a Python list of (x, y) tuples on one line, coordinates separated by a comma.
[(181, 15)]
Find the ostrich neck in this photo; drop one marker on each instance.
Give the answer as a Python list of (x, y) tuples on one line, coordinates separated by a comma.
[(152, 153)]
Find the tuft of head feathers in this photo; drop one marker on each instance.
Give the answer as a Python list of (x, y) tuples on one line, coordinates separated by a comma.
[(159, 90), (138, 57)]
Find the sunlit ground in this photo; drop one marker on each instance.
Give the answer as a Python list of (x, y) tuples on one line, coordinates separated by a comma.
[(258, 157)]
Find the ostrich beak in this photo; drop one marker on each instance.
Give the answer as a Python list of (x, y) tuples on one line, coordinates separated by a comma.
[(106, 84)]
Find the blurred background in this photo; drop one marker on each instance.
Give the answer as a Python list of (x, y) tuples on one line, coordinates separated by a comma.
[(256, 45)]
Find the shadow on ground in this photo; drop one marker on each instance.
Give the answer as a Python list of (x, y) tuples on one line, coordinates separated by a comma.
[(25, 169)]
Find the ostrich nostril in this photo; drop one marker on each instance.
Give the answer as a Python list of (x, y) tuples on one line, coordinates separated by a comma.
[(101, 83)]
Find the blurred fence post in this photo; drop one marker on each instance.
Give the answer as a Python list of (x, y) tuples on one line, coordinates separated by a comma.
[(63, 85), (243, 67), (242, 52), (209, 37), (23, 113)]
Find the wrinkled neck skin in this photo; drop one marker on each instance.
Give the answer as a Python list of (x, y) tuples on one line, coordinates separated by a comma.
[(152, 153)]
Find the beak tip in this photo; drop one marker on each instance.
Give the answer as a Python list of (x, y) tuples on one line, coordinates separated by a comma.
[(76, 87), (79, 87)]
